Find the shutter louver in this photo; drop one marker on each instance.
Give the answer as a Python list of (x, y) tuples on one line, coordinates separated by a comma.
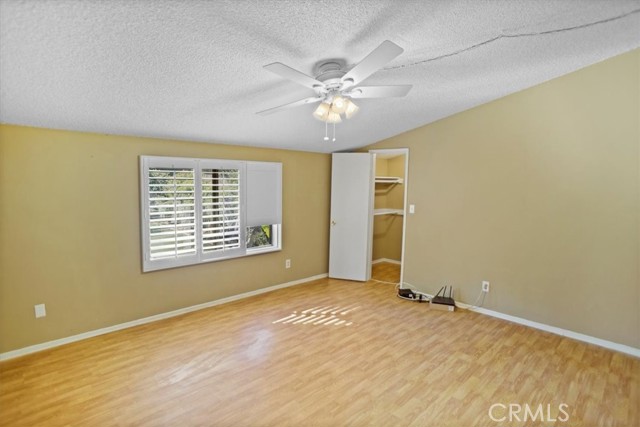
[(220, 210), (172, 218)]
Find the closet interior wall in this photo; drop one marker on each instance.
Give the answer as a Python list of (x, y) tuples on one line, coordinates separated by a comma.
[(387, 229)]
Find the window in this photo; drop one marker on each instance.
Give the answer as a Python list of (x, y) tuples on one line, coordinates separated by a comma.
[(200, 210)]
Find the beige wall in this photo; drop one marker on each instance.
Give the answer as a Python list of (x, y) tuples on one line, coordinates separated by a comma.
[(387, 229), (70, 233), (537, 192)]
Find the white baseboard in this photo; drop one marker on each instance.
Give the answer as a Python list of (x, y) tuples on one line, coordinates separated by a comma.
[(178, 312), (548, 328), (390, 261)]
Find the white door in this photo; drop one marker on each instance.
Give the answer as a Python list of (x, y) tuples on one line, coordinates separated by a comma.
[(351, 216)]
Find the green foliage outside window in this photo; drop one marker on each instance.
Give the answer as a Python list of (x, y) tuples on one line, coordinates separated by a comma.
[(260, 235)]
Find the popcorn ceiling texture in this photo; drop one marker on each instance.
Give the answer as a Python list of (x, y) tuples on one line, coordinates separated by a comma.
[(192, 70)]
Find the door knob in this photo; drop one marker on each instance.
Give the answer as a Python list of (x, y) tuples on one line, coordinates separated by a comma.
[(333, 222)]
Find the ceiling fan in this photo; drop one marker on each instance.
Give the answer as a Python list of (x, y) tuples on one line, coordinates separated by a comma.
[(335, 87)]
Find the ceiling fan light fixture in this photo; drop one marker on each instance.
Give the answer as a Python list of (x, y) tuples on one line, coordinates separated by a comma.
[(322, 112), (351, 109)]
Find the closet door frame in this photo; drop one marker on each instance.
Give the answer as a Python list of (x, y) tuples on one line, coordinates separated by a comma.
[(399, 152)]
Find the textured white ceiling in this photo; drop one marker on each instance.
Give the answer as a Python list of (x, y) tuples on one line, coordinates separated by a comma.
[(192, 70)]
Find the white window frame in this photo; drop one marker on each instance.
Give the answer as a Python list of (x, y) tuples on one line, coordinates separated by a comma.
[(147, 162)]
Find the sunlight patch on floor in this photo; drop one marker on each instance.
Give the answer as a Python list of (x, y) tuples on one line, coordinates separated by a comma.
[(328, 315)]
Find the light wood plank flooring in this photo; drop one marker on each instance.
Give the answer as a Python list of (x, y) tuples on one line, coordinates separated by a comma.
[(386, 272), (330, 353)]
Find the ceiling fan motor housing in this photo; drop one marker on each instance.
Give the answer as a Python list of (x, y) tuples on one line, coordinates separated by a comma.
[(330, 72)]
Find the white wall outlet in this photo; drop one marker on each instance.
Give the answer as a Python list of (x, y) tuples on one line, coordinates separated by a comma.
[(40, 310), (412, 209), (287, 264), (485, 286)]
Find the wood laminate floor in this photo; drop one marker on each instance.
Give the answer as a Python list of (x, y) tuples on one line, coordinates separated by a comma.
[(329, 353), (385, 272)]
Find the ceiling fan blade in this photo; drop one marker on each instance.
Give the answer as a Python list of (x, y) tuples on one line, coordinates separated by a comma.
[(372, 63), (379, 91), (311, 100), (294, 75)]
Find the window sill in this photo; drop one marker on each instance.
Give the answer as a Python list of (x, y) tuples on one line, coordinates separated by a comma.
[(264, 250), (156, 266)]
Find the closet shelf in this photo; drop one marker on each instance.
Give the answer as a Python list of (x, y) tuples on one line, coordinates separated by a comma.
[(388, 180), (388, 212)]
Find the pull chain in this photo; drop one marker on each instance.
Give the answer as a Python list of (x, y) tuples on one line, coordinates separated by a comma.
[(334, 131), (326, 137)]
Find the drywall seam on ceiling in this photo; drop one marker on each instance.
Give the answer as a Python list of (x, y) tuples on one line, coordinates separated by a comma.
[(514, 36)]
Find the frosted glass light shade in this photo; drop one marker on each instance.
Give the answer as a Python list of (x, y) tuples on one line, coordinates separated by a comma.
[(339, 104), (351, 109), (322, 112), (333, 118)]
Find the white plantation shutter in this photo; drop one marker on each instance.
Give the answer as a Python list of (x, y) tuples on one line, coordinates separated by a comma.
[(172, 213), (169, 217), (222, 231)]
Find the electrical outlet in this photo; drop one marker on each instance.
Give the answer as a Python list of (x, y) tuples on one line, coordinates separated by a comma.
[(40, 310), (485, 286), (287, 264)]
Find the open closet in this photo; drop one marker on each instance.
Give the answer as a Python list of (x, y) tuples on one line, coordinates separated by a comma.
[(388, 215), (368, 206)]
